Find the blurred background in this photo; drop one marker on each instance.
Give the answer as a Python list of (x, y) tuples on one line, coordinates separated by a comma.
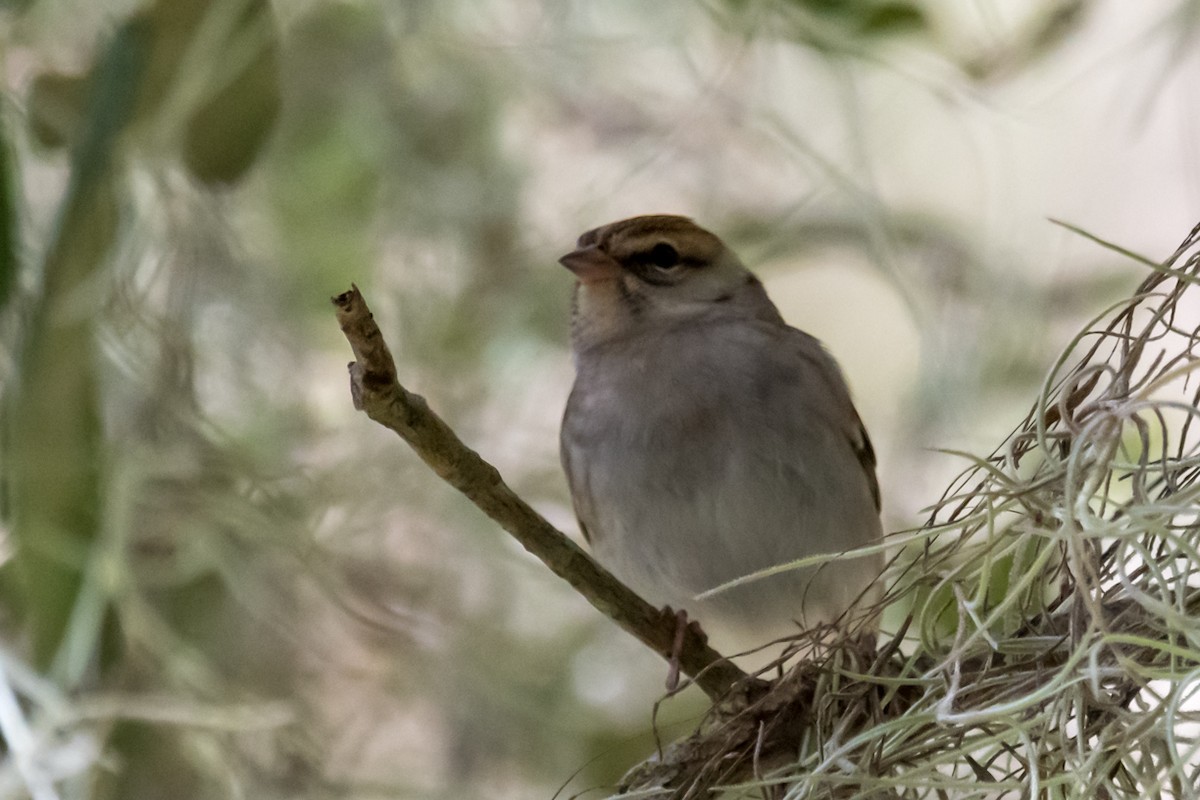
[(219, 580)]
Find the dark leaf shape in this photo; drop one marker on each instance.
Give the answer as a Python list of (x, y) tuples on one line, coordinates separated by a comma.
[(225, 135), (56, 102), (893, 19)]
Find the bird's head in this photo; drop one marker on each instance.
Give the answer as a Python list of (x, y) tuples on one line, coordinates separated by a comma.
[(653, 271)]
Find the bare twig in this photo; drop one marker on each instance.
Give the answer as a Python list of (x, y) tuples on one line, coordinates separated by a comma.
[(377, 391)]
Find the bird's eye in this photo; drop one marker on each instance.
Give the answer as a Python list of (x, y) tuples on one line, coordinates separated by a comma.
[(664, 256)]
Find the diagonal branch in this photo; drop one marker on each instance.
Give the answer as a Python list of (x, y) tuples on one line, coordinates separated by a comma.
[(377, 391)]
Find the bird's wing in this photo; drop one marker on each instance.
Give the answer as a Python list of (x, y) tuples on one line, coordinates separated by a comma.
[(810, 350)]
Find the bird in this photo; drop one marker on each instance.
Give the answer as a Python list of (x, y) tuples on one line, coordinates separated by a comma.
[(704, 440)]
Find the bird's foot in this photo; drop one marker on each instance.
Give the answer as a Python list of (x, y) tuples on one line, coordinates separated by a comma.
[(682, 623)]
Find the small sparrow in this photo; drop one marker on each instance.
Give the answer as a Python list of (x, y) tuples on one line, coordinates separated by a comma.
[(705, 440)]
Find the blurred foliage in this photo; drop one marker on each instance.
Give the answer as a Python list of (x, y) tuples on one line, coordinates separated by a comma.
[(9, 244), (1048, 27), (54, 440), (56, 105), (838, 24), (217, 580), (226, 108)]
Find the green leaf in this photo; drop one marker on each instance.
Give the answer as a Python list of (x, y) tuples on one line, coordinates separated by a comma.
[(225, 135), (892, 19)]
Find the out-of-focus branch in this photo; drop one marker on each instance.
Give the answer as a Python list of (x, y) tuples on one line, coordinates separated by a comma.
[(377, 391)]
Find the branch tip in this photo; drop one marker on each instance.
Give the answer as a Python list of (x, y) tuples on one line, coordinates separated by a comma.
[(375, 388)]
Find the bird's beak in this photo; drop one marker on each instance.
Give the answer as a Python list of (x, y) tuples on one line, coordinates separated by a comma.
[(591, 264)]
